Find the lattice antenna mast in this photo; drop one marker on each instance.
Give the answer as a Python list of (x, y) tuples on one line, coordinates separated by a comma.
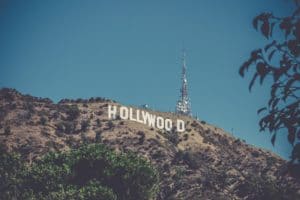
[(184, 104)]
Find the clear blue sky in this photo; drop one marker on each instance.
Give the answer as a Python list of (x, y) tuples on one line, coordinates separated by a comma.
[(130, 51)]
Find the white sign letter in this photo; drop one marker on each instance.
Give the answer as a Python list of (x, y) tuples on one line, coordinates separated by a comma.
[(131, 115), (123, 112), (180, 125), (160, 122), (112, 111), (138, 119), (168, 124)]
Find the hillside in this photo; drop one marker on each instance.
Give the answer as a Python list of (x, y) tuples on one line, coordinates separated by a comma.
[(204, 162)]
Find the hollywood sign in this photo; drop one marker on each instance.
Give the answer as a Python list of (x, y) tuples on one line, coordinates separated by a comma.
[(144, 117)]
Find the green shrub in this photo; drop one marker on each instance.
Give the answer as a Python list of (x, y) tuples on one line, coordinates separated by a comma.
[(172, 136), (85, 105), (84, 125), (98, 121), (110, 125), (262, 187), (67, 127), (72, 111), (191, 159), (91, 172), (43, 120), (185, 137), (7, 130), (11, 169), (194, 123), (141, 138), (98, 136), (99, 113)]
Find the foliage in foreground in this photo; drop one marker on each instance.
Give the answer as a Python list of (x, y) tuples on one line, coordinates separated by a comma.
[(279, 62), (89, 172)]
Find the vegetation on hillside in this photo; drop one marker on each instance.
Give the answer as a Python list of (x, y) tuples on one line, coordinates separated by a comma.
[(89, 172)]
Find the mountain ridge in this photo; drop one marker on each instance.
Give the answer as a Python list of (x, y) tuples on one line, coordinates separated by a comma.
[(204, 162)]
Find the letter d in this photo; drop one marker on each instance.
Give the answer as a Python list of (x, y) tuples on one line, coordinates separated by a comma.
[(180, 125)]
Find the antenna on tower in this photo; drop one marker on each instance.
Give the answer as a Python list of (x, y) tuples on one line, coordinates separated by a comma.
[(183, 105)]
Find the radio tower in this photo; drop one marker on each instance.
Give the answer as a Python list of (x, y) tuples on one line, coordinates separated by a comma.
[(183, 105)]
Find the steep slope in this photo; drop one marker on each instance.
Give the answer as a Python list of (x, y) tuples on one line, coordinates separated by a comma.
[(204, 162)]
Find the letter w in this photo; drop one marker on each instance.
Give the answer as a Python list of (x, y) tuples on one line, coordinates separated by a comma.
[(148, 117)]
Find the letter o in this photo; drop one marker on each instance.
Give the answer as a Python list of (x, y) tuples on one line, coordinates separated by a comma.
[(160, 122), (123, 112), (168, 124)]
